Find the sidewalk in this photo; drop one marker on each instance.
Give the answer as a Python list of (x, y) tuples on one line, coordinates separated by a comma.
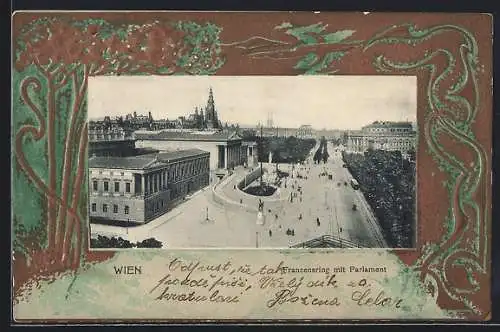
[(140, 232)]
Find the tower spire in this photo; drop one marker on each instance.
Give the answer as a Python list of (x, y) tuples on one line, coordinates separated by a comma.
[(210, 112)]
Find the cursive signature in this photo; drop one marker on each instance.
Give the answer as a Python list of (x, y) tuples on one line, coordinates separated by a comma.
[(288, 296), (365, 298)]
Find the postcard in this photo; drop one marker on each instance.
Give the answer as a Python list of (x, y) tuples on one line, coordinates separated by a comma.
[(246, 166)]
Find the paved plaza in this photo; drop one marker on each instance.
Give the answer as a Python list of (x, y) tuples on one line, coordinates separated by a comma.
[(222, 216)]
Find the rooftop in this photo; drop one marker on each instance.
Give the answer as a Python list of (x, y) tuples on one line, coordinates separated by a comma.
[(189, 136), (180, 154), (145, 161), (399, 124), (135, 162)]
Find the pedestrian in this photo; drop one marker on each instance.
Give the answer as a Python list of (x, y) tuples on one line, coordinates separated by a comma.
[(301, 198), (300, 216), (241, 200), (318, 223), (270, 233), (276, 216), (234, 187), (293, 232), (317, 219), (340, 229)]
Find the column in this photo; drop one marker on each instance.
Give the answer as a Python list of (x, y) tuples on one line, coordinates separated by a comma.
[(156, 183), (225, 156), (233, 156), (143, 179), (233, 153)]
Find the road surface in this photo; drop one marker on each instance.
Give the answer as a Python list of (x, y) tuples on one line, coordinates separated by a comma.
[(231, 220)]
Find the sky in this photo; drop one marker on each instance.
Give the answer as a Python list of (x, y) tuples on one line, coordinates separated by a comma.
[(324, 102)]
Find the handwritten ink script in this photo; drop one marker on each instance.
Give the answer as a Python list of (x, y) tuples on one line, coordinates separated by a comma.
[(277, 285)]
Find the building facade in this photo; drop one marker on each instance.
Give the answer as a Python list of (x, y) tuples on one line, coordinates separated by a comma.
[(305, 131), (383, 135), (139, 189), (225, 148), (107, 139)]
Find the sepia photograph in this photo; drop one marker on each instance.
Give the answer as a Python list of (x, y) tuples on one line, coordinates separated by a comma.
[(252, 162), (292, 167)]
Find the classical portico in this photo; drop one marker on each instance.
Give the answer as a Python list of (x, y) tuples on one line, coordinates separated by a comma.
[(228, 155), (224, 146)]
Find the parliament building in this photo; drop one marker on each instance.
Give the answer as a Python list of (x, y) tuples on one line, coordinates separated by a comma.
[(138, 189)]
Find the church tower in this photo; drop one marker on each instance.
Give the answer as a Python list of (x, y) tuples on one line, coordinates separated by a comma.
[(210, 112)]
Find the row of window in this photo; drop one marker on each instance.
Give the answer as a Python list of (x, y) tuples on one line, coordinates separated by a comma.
[(110, 173), (105, 208), (392, 129), (95, 186)]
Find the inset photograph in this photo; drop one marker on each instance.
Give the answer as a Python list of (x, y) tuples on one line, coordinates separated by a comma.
[(252, 162)]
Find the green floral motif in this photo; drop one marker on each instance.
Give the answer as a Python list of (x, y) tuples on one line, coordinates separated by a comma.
[(49, 115), (463, 180), (53, 59), (307, 38)]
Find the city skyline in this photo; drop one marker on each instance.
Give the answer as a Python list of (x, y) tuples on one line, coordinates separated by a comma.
[(324, 102)]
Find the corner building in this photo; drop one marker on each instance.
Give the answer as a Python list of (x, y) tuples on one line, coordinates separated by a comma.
[(141, 188), (383, 135)]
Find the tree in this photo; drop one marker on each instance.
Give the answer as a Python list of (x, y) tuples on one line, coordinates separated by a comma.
[(325, 155), (149, 243), (110, 242)]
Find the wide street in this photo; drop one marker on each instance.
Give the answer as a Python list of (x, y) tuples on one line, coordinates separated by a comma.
[(220, 216)]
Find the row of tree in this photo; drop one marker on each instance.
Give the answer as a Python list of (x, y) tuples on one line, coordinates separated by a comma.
[(118, 242), (284, 149), (388, 183), (322, 152)]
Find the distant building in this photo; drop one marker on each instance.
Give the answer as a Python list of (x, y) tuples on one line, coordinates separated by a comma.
[(198, 120), (305, 131), (383, 135), (139, 189), (329, 134), (224, 146), (135, 121), (211, 116), (273, 131), (107, 139)]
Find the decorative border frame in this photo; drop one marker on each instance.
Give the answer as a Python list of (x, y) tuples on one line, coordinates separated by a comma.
[(55, 53)]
